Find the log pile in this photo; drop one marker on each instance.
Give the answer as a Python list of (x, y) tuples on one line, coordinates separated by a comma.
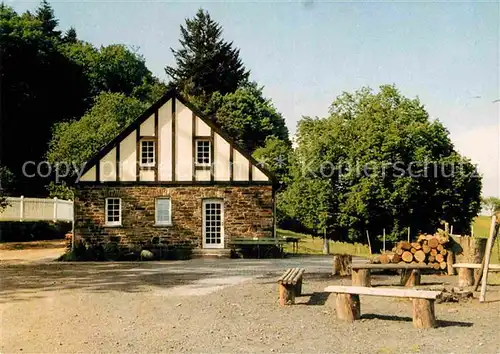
[(428, 249)]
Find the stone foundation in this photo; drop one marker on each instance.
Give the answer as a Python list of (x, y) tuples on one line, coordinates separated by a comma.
[(248, 212)]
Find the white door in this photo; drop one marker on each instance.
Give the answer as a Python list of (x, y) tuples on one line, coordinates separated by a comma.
[(213, 223)]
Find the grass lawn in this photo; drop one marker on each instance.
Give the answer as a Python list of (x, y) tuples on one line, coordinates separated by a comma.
[(310, 245), (482, 226)]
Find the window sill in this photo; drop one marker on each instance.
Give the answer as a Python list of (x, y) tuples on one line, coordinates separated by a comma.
[(162, 225), (113, 225)]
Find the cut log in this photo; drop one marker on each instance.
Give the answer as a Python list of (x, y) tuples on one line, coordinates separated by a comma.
[(405, 245), (420, 238), (439, 258), (396, 258), (419, 256), (361, 277), (443, 265), (410, 277), (433, 242), (465, 277), (426, 249), (348, 307), (440, 247), (407, 256), (435, 265), (413, 250), (287, 294), (399, 251), (432, 259), (433, 252), (342, 264), (416, 245), (423, 313), (444, 252), (384, 258), (424, 242)]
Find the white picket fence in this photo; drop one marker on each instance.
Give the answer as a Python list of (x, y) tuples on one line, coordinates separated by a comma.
[(37, 209)]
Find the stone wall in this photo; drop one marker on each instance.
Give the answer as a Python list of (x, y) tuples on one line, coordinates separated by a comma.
[(247, 213)]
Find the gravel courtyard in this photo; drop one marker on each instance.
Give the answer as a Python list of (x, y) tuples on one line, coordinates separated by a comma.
[(219, 306)]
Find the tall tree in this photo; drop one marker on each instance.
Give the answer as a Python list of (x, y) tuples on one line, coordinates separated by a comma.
[(384, 164), (45, 14), (206, 63)]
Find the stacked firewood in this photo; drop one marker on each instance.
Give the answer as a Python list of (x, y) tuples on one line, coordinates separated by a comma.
[(428, 249)]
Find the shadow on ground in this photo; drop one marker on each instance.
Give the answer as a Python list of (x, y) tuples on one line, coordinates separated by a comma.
[(23, 282), (440, 323)]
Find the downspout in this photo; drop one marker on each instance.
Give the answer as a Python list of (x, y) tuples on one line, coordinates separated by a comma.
[(275, 196)]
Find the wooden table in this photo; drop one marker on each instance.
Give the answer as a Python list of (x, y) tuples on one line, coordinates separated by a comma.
[(257, 242), (410, 276)]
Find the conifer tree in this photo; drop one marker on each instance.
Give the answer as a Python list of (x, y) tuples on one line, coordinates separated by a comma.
[(206, 63)]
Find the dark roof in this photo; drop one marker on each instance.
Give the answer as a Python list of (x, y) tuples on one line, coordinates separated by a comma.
[(152, 109)]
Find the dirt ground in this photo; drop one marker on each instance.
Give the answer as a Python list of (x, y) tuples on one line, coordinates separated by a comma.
[(27, 252), (221, 306)]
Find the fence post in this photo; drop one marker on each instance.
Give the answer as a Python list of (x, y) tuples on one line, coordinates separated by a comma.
[(384, 237), (55, 210), (21, 208)]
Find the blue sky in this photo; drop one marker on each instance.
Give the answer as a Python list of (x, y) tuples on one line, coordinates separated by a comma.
[(306, 53)]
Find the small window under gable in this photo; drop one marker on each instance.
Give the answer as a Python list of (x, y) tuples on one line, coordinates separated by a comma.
[(203, 157), (147, 153)]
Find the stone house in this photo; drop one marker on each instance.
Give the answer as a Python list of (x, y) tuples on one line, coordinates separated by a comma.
[(173, 175)]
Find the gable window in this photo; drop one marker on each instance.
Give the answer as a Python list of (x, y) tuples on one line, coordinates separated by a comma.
[(147, 153), (202, 152), (113, 211), (163, 214)]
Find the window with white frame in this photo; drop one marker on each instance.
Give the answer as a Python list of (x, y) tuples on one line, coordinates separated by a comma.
[(147, 153), (113, 211), (163, 211), (202, 152)]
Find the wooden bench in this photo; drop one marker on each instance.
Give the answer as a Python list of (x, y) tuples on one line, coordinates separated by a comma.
[(268, 243), (290, 285), (466, 272), (410, 275), (348, 306)]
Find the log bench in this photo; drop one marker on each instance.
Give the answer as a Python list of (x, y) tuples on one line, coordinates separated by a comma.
[(466, 272), (410, 275), (290, 285), (348, 306)]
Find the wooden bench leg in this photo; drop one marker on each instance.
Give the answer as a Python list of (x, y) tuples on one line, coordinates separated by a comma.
[(410, 277), (348, 307), (423, 313), (298, 288), (465, 277), (287, 294), (361, 277)]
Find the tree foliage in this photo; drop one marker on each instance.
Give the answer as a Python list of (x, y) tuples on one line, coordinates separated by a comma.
[(380, 163), (492, 204), (48, 77), (205, 62), (75, 142), (248, 117)]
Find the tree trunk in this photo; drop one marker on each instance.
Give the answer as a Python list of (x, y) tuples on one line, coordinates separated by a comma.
[(361, 277), (423, 313), (450, 260), (465, 277), (410, 277), (348, 307), (342, 264)]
